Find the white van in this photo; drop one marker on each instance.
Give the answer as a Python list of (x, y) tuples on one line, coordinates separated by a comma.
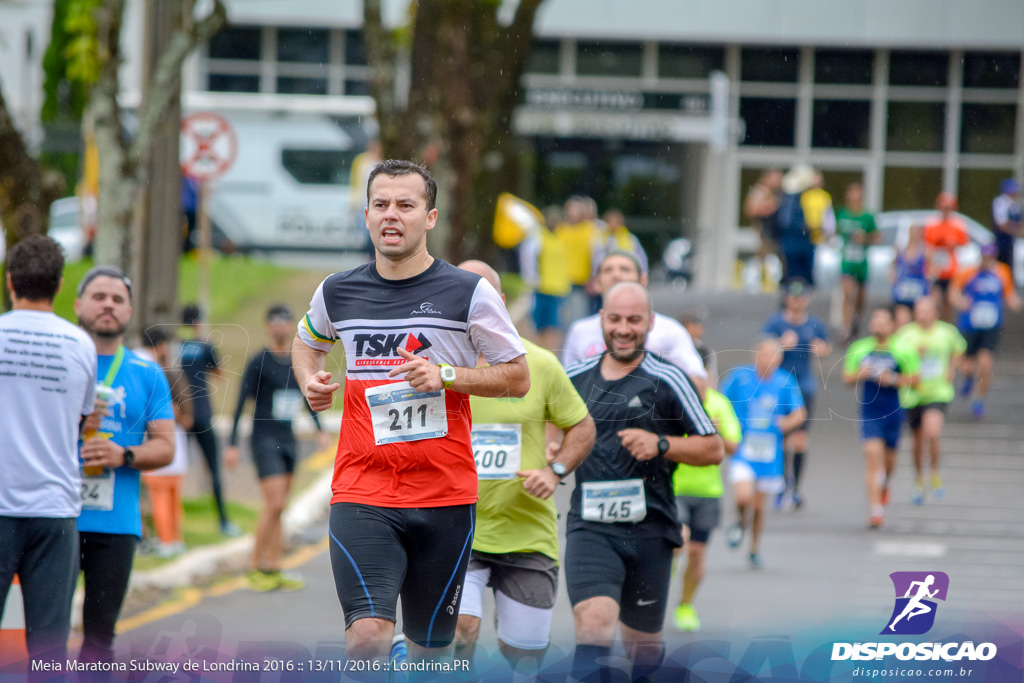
[(288, 188)]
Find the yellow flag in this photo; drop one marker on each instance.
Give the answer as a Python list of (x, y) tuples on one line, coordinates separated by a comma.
[(514, 220)]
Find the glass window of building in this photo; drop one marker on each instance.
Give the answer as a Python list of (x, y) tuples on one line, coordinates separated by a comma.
[(988, 128), (916, 126), (908, 188), (689, 61), (318, 166), (307, 45), (609, 59), (237, 42), (843, 124), (560, 173), (545, 57), (301, 86), (233, 83), (992, 70), (356, 87), (836, 180), (770, 65), (769, 122), (918, 68), (355, 48), (977, 188), (645, 184), (845, 67)]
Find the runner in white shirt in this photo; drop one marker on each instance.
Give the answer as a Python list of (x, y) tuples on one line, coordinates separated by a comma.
[(668, 338), (47, 386)]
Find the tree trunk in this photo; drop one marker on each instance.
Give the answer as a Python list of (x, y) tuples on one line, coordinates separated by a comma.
[(465, 72), (26, 189)]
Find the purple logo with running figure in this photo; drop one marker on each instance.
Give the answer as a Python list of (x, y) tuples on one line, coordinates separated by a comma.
[(916, 593)]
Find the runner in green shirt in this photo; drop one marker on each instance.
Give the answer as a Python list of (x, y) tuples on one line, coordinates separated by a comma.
[(856, 228), (698, 492), (515, 543), (939, 346), (880, 367)]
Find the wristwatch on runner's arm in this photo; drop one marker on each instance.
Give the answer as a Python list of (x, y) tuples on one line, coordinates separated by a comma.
[(447, 375), (559, 469), (663, 445)]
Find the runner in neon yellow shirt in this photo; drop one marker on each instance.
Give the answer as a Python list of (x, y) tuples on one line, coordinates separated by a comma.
[(515, 543), (698, 493), (939, 346)]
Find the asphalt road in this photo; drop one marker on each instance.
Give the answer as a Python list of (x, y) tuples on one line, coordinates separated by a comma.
[(825, 576)]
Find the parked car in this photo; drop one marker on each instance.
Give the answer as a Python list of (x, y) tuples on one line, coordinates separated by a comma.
[(894, 227), (65, 228)]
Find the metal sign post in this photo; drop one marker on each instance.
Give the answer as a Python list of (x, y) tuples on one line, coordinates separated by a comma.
[(209, 149)]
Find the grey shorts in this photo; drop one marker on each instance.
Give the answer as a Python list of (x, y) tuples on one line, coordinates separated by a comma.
[(700, 514), (528, 578)]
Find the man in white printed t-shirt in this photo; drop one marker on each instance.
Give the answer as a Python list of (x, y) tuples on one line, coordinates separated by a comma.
[(47, 388), (668, 338)]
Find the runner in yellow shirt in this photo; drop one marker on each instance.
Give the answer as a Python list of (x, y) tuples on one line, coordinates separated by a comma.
[(515, 545), (939, 346)]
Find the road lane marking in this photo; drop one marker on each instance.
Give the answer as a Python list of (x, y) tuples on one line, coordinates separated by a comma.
[(191, 597)]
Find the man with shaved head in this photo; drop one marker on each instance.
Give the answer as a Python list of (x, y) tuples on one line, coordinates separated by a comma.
[(623, 526), (515, 544), (769, 405)]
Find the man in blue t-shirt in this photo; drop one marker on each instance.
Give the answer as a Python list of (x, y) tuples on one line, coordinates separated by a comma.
[(132, 430), (769, 406), (802, 338)]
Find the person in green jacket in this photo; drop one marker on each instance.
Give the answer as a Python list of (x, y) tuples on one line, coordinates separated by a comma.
[(698, 492)]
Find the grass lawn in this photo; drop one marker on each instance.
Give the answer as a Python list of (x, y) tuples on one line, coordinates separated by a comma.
[(202, 526)]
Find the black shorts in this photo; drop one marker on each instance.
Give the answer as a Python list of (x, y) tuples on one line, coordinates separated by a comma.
[(916, 414), (635, 572), (274, 454), (982, 339), (699, 513), (419, 553)]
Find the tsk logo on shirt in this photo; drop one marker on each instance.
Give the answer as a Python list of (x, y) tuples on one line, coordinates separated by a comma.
[(382, 349), (914, 613)]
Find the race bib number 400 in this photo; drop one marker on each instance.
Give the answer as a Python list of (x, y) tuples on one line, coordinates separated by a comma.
[(98, 490), (400, 413), (614, 501), (497, 449)]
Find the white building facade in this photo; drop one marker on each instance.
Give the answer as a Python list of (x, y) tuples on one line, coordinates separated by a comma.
[(909, 97)]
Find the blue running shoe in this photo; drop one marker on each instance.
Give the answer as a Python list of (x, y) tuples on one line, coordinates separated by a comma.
[(399, 654), (968, 384), (978, 410)]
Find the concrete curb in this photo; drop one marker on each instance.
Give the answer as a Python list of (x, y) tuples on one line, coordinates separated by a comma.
[(306, 509)]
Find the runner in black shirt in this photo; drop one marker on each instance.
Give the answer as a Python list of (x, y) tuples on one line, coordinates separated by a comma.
[(622, 526), (269, 380)]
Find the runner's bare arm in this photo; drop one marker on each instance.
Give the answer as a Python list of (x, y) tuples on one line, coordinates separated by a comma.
[(793, 420), (691, 450), (309, 365), (502, 379), (578, 441)]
